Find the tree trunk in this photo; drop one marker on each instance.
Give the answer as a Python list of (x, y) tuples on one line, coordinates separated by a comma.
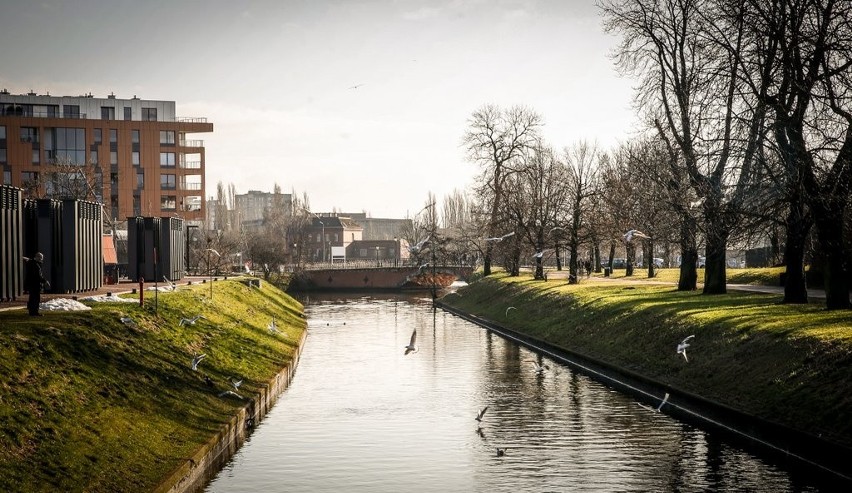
[(797, 227), (558, 258), (715, 267), (630, 252), (830, 235), (649, 254), (597, 259), (688, 280), (486, 262), (573, 276)]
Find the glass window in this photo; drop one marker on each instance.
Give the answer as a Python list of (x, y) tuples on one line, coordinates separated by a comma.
[(149, 114), (7, 177), (167, 182), (29, 134), (113, 157), (107, 113), (135, 158), (140, 180), (2, 155), (128, 113), (167, 137), (134, 136), (2, 132), (71, 111), (167, 159), (29, 178), (93, 157), (168, 202), (137, 205), (98, 135), (36, 156), (113, 135), (66, 144)]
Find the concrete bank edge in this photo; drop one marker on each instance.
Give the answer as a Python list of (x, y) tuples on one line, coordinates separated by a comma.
[(209, 459), (782, 442)]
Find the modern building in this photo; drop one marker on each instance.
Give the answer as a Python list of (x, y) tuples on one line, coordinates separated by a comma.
[(135, 156)]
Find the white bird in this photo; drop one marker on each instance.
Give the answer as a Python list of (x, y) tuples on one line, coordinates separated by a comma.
[(170, 283), (500, 238), (539, 254), (230, 393), (236, 383), (539, 369), (681, 347), (356, 86), (628, 236), (411, 347), (416, 248), (197, 359), (665, 399), (420, 269), (214, 252), (190, 321), (272, 327), (481, 414), (510, 308)]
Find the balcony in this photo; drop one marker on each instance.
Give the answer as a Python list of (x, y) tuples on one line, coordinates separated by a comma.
[(192, 143), (190, 186), (191, 119), (190, 164)]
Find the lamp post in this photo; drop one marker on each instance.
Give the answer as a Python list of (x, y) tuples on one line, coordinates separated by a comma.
[(377, 256)]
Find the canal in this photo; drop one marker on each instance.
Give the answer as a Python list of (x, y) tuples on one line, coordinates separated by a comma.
[(362, 416)]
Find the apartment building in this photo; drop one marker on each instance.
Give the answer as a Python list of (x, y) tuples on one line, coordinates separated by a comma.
[(252, 207), (133, 155)]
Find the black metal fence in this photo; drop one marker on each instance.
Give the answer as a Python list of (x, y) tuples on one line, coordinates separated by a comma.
[(156, 248), (11, 243)]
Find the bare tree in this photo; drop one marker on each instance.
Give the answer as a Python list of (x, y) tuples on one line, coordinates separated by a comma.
[(581, 185), (495, 140)]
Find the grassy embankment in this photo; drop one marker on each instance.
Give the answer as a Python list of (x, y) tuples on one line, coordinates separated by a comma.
[(89, 403), (769, 276), (790, 364)]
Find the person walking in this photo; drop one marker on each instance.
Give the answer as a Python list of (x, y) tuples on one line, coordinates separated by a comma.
[(33, 282)]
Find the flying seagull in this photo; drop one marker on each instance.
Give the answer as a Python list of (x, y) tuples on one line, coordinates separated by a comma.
[(197, 359), (681, 348), (420, 269), (190, 321), (236, 383), (500, 238), (665, 399), (170, 283), (510, 308), (356, 86), (539, 369), (272, 327), (481, 414), (628, 236), (416, 248), (230, 393), (411, 347)]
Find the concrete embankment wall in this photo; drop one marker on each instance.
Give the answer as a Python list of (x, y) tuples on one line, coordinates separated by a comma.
[(799, 449), (197, 470)]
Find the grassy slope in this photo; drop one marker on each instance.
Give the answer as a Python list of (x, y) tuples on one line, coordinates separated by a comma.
[(786, 363), (88, 403), (767, 276)]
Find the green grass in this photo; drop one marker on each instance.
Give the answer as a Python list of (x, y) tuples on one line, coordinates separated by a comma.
[(765, 276), (88, 403), (785, 363)]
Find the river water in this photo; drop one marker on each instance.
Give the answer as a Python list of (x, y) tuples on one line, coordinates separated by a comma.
[(361, 416)]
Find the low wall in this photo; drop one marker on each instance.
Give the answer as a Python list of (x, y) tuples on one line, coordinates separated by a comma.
[(203, 466)]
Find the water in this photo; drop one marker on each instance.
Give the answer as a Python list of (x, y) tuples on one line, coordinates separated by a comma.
[(362, 417)]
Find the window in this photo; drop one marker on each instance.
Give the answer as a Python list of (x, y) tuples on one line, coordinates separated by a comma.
[(167, 182), (36, 156), (140, 180), (2, 133), (167, 159), (113, 136), (29, 178), (113, 180), (168, 202), (7, 177), (128, 113), (107, 113), (98, 135), (71, 111), (113, 157), (2, 155), (137, 205), (134, 136), (29, 134), (66, 144), (167, 137), (135, 158), (149, 114), (93, 157)]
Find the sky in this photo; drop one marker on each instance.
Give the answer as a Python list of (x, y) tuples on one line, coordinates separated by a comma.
[(361, 105)]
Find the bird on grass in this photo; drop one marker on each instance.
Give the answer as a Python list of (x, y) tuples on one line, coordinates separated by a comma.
[(197, 359), (498, 239), (190, 321), (681, 347), (172, 285), (501, 451), (272, 326), (479, 416), (411, 347), (510, 308), (635, 233)]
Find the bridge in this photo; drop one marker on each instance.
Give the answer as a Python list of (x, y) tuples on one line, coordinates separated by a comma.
[(357, 277)]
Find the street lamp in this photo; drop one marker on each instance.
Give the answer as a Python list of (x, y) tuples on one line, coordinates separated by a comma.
[(377, 256), (209, 269)]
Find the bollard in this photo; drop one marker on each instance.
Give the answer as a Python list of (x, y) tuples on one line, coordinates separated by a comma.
[(141, 291)]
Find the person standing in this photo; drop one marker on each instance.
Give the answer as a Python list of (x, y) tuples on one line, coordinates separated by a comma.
[(33, 282)]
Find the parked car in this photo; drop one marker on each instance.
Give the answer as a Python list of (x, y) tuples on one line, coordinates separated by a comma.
[(658, 262), (619, 263)]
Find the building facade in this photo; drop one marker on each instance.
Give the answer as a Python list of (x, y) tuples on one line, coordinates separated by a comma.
[(133, 155), (253, 207)]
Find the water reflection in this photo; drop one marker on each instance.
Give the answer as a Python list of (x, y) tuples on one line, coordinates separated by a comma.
[(363, 416)]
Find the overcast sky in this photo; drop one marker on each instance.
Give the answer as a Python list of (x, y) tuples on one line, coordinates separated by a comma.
[(275, 78)]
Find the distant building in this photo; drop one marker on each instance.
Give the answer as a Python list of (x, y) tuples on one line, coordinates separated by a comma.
[(137, 151), (326, 231), (377, 228), (253, 207)]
